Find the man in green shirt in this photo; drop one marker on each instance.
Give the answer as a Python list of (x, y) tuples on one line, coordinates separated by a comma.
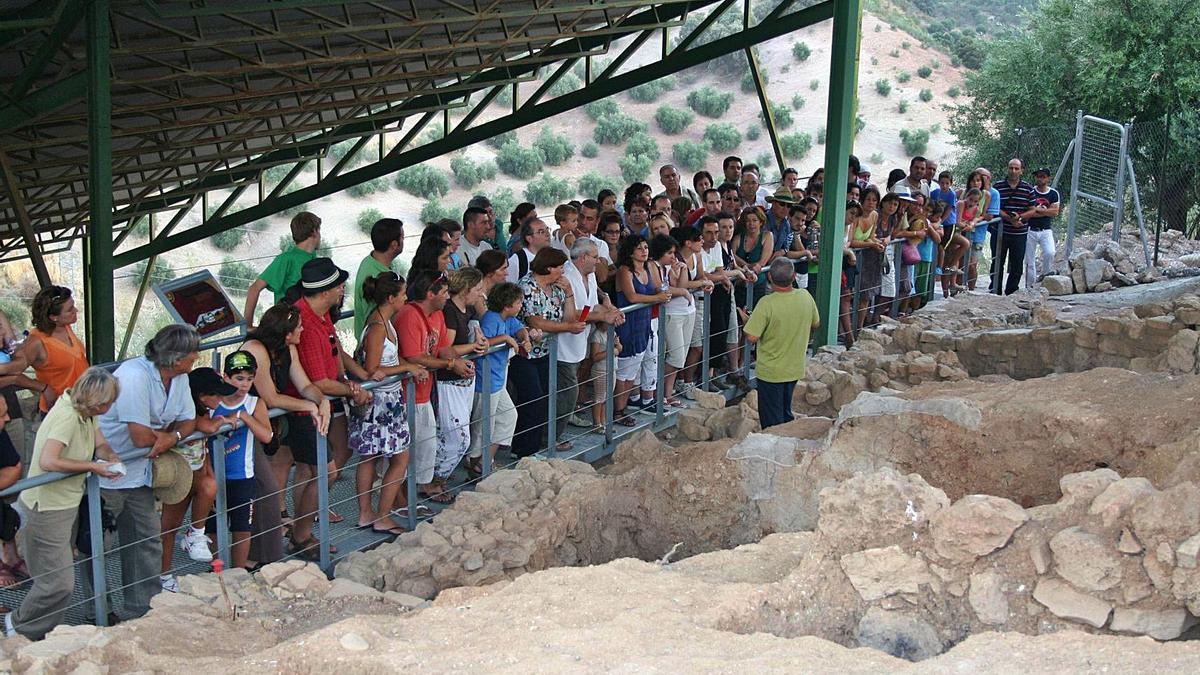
[(284, 270), (387, 240), (780, 326)]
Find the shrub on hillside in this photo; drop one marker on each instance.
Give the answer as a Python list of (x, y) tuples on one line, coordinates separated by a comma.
[(905, 45), (236, 276), (651, 91), (554, 148), (162, 271), (598, 109), (797, 101), (710, 102), (690, 155), (883, 87), (902, 106), (926, 95), (423, 180), (339, 150), (781, 114), (801, 51), (228, 240), (591, 183), (895, 53), (722, 137), (272, 175), (673, 120), (548, 189), (433, 211), (635, 168), (614, 129), (504, 200), (764, 161), (566, 84), (468, 173), (859, 124), (589, 150), (500, 140), (813, 85), (365, 188), (366, 219), (925, 72), (876, 158), (748, 81), (140, 227), (821, 135), (753, 131), (915, 141), (795, 146), (642, 145), (953, 92), (903, 76), (517, 161)]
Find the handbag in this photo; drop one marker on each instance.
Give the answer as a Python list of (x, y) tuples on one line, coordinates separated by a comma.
[(909, 255)]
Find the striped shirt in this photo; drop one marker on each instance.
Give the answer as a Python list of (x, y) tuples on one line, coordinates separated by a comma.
[(1014, 200)]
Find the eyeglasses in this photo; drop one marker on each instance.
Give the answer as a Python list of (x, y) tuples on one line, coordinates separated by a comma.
[(616, 232)]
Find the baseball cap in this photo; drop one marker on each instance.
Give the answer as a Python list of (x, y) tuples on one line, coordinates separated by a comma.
[(240, 360), (205, 381), (1042, 170)]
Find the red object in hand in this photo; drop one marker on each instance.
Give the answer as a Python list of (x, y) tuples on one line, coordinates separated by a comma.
[(584, 314), (218, 565)]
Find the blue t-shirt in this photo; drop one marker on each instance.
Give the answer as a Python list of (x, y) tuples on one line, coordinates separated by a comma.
[(948, 197), (239, 443), (993, 201), (925, 248), (493, 325)]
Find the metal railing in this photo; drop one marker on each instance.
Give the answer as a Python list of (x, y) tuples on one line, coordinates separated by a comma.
[(96, 537)]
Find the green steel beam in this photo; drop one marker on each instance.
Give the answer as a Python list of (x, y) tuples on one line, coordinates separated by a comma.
[(23, 222), (652, 17), (99, 294), (39, 102), (764, 102), (839, 143), (35, 15), (70, 17), (678, 60)]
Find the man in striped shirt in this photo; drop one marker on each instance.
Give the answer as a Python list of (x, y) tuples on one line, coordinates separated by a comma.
[(1016, 207)]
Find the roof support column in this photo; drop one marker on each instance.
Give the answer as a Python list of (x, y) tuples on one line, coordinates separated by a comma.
[(839, 142), (98, 254), (764, 101), (27, 231)]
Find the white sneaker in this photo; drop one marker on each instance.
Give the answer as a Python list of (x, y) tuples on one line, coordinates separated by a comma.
[(196, 545), (169, 583)]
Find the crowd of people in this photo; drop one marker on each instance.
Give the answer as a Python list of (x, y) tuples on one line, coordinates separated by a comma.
[(485, 312)]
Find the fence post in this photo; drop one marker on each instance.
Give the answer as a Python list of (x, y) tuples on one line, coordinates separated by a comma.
[(552, 396), (1158, 184), (705, 348), (486, 401), (218, 459), (745, 342), (610, 381), (897, 270), (96, 537), (660, 367), (997, 285), (323, 498), (410, 482)]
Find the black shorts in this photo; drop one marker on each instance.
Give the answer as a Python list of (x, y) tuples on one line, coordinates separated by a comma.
[(302, 438), (239, 496)]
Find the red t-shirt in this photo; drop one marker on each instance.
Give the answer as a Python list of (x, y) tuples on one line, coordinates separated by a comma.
[(320, 356), (421, 335)]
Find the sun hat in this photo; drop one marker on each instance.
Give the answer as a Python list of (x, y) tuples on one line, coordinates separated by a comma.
[(320, 274), (172, 477), (782, 196)]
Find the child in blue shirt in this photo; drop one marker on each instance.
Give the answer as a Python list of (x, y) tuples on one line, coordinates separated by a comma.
[(499, 326), (251, 424)]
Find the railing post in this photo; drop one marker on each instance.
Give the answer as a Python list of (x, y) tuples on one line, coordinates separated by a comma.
[(323, 498), (997, 286), (854, 298), (660, 351), (745, 342), (486, 402), (706, 332), (218, 460), (610, 384), (96, 537), (897, 268), (410, 483), (552, 396)]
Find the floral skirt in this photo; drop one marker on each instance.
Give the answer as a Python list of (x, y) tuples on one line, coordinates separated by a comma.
[(381, 430)]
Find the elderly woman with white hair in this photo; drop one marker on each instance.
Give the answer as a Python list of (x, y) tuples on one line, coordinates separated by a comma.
[(69, 440)]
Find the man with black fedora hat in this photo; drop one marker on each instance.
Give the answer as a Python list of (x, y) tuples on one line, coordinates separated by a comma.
[(777, 218), (322, 288)]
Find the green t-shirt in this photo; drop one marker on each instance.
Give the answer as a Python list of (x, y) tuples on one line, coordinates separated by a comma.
[(78, 435), (782, 322), (369, 267), (284, 271)]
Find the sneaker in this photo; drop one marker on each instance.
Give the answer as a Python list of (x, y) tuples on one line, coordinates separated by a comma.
[(195, 543), (580, 421), (9, 629), (169, 583)]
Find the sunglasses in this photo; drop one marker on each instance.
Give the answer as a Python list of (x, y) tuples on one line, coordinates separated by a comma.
[(333, 345)]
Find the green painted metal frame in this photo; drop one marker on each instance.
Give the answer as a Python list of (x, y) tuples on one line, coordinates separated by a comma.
[(764, 101), (778, 22), (839, 142), (98, 254)]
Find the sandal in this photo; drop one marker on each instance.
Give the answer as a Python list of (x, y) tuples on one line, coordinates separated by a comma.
[(442, 497), (20, 569), (474, 466), (8, 578), (624, 420), (422, 511), (310, 549), (393, 531), (564, 446)]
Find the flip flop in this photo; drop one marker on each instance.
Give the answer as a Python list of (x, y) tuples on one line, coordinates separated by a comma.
[(564, 446), (395, 531), (422, 511)]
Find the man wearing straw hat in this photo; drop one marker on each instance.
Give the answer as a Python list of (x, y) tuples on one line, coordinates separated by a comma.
[(777, 218), (153, 413)]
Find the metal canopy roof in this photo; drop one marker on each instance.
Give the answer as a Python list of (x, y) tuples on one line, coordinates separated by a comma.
[(201, 88)]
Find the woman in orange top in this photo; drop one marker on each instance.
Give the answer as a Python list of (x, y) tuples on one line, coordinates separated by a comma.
[(52, 349)]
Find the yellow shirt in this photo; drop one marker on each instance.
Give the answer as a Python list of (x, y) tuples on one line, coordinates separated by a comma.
[(78, 433)]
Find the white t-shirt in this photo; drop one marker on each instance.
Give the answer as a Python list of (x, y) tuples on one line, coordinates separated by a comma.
[(711, 260), (601, 248), (573, 348), (514, 267), (469, 252)]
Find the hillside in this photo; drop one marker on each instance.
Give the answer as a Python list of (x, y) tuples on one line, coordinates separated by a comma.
[(795, 85)]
